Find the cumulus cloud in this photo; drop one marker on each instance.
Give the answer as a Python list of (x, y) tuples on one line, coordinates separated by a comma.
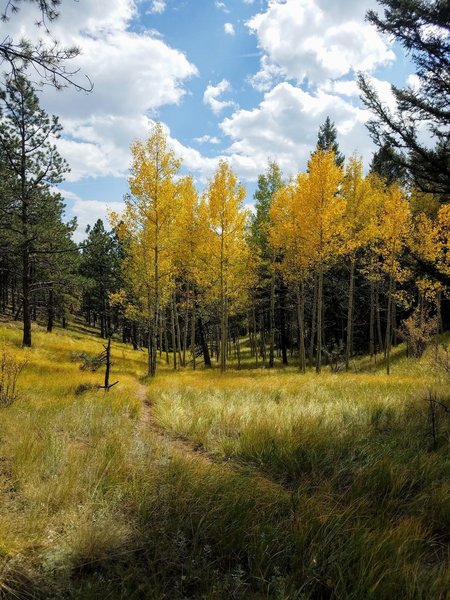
[(134, 74), (88, 212), (212, 94), (207, 139), (229, 28), (285, 125), (316, 40), (157, 7)]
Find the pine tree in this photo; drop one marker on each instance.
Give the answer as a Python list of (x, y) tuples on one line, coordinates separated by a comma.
[(327, 140), (422, 27), (100, 269), (269, 285), (48, 60), (27, 137)]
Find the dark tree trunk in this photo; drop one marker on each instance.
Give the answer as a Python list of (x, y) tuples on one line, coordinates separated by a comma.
[(50, 310), (204, 345)]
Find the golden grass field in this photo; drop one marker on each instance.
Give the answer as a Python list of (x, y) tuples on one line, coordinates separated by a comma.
[(252, 484)]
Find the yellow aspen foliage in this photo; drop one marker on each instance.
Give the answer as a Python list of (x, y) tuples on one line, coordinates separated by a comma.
[(363, 203), (187, 228), (224, 246), (324, 209), (394, 232), (324, 213), (288, 230), (147, 227), (431, 242)]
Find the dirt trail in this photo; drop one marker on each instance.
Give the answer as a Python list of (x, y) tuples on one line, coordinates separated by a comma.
[(178, 443), (195, 452)]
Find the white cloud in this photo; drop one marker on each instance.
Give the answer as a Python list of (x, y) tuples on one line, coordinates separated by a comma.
[(88, 212), (285, 125), (157, 7), (316, 40), (207, 139), (342, 88), (229, 28), (212, 93), (221, 6), (134, 74), (413, 81)]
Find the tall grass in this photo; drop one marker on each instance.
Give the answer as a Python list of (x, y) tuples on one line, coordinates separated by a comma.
[(323, 487)]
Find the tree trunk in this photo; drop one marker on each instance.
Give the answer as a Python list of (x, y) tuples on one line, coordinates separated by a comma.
[(389, 328), (26, 309), (351, 292), (272, 321), (186, 324), (381, 344), (319, 321), (178, 332), (301, 326), (372, 321), (255, 334), (203, 343), (50, 310), (134, 335), (193, 349), (174, 339), (224, 336), (284, 339), (313, 324)]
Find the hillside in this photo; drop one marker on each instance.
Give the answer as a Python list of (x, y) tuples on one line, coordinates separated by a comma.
[(250, 484)]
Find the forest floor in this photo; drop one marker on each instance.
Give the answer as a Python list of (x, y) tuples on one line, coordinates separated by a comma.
[(258, 483)]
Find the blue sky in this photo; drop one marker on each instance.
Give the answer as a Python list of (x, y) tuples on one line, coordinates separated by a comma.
[(245, 80)]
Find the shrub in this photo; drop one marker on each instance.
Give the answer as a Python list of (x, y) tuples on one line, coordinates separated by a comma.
[(417, 331), (10, 370), (91, 362)]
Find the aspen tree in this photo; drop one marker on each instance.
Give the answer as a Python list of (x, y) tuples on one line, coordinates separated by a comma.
[(225, 246), (186, 244), (268, 184), (324, 211), (360, 222), (394, 232), (288, 233), (147, 224)]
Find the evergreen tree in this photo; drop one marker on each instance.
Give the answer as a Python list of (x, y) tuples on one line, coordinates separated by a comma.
[(55, 262), (386, 163), (48, 59), (271, 288), (27, 137), (100, 268), (422, 27), (327, 140), (268, 184)]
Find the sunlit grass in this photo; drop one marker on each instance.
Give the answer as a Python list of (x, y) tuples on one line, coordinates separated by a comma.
[(321, 487)]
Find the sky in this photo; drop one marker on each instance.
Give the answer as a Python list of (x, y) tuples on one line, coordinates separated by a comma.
[(245, 80)]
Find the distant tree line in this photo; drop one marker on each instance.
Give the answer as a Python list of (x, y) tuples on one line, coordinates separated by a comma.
[(329, 265)]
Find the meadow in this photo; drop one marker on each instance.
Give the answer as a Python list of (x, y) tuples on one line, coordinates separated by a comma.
[(257, 483)]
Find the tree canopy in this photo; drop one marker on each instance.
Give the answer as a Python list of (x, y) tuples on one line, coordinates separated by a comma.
[(418, 130)]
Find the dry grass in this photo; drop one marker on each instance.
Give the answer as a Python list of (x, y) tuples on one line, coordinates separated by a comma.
[(329, 486)]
